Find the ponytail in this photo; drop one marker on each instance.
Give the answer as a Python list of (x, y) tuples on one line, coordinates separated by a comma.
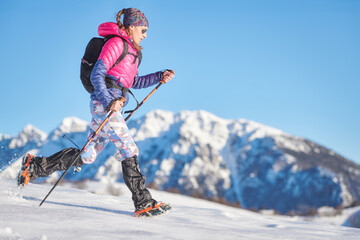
[(119, 23), (127, 29)]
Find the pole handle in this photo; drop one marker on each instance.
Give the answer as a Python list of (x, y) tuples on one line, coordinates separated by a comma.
[(169, 70), (147, 97)]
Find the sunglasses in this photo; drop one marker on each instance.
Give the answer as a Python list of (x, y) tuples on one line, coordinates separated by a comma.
[(144, 31)]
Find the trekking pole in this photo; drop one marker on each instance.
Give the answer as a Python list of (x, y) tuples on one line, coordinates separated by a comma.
[(146, 98), (75, 159)]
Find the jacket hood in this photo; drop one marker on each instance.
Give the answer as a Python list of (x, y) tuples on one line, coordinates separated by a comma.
[(111, 28)]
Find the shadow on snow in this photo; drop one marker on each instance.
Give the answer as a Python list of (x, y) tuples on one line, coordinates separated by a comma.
[(81, 206)]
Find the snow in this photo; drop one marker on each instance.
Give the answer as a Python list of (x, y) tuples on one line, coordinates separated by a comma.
[(345, 194), (69, 125), (29, 133), (297, 145), (73, 124), (259, 130), (4, 136), (80, 214), (12, 171)]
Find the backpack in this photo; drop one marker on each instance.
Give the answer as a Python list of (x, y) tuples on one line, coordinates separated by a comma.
[(91, 55)]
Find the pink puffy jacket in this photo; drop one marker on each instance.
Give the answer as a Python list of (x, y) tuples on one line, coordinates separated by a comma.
[(123, 74), (126, 69)]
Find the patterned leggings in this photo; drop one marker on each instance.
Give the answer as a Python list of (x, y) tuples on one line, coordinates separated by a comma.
[(114, 130)]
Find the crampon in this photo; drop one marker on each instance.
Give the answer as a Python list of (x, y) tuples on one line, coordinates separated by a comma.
[(153, 209), (24, 175)]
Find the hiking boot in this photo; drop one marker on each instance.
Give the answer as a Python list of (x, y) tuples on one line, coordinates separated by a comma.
[(25, 171), (152, 209)]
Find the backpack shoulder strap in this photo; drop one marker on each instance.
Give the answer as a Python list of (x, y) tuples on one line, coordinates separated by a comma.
[(123, 54), (139, 56)]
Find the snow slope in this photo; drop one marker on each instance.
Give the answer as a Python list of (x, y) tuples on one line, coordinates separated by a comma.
[(77, 214)]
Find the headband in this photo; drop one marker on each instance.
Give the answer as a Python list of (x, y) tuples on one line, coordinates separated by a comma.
[(134, 17)]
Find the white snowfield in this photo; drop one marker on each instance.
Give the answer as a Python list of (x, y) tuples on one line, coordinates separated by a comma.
[(78, 214)]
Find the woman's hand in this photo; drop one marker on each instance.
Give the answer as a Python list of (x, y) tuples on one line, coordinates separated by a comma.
[(117, 105), (167, 76)]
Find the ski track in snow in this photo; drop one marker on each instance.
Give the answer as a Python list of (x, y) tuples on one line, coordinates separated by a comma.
[(77, 214)]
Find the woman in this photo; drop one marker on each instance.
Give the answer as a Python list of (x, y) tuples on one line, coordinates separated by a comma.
[(111, 97)]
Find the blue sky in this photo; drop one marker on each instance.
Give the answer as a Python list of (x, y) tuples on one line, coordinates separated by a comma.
[(292, 65)]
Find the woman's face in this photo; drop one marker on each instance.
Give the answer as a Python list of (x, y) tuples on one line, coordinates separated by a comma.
[(138, 33)]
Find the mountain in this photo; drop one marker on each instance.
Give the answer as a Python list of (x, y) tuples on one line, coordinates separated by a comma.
[(11, 148), (237, 162)]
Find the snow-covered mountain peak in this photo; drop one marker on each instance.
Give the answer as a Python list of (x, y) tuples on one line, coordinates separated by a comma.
[(192, 126), (253, 130), (4, 136), (30, 130), (28, 134), (70, 125), (256, 129), (73, 124), (200, 115), (152, 124), (201, 127)]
